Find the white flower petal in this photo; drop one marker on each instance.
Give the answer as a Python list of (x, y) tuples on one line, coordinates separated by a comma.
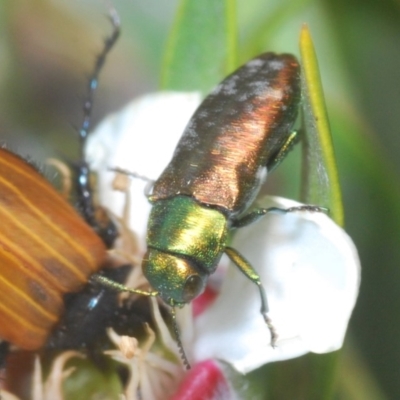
[(141, 138), (310, 269)]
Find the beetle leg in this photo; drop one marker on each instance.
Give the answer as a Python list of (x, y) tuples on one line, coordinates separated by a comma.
[(260, 212), (250, 272)]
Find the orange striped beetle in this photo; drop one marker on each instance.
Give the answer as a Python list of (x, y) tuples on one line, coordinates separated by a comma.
[(46, 248)]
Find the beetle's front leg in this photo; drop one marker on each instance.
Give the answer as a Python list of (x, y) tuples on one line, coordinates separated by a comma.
[(251, 273)]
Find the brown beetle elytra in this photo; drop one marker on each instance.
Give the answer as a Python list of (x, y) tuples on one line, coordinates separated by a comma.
[(46, 250)]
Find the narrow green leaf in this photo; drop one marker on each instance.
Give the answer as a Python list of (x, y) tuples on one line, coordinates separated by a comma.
[(355, 381), (202, 45), (320, 177)]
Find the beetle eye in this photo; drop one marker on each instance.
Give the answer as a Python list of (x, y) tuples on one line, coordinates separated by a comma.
[(193, 287)]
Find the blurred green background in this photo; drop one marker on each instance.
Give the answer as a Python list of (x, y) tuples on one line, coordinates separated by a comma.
[(47, 48)]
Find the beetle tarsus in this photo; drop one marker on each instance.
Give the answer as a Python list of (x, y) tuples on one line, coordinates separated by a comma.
[(272, 330), (308, 207)]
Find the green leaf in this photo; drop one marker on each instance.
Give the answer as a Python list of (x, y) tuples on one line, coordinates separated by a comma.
[(265, 26), (311, 377), (320, 176), (202, 45)]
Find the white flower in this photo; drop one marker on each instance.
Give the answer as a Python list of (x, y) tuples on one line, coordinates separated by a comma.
[(308, 265), (310, 270)]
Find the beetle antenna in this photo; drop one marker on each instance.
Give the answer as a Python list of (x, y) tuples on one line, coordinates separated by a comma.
[(178, 339), (104, 227), (94, 79), (119, 287)]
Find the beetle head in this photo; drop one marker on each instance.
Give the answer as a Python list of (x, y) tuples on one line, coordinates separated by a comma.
[(177, 279)]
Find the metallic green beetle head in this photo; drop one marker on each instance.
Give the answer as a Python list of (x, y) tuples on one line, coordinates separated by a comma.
[(177, 280)]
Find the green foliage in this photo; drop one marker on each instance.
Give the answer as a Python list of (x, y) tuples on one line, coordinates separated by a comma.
[(201, 46), (320, 183)]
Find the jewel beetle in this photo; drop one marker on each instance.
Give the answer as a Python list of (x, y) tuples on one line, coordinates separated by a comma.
[(46, 248), (241, 131)]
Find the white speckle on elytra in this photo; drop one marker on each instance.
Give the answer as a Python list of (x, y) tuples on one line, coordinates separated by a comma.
[(249, 107), (260, 87), (202, 114), (255, 63), (229, 88), (243, 97), (217, 89), (209, 124), (276, 65)]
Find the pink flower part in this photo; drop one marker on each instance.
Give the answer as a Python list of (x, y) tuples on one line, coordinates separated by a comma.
[(201, 303), (205, 381)]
